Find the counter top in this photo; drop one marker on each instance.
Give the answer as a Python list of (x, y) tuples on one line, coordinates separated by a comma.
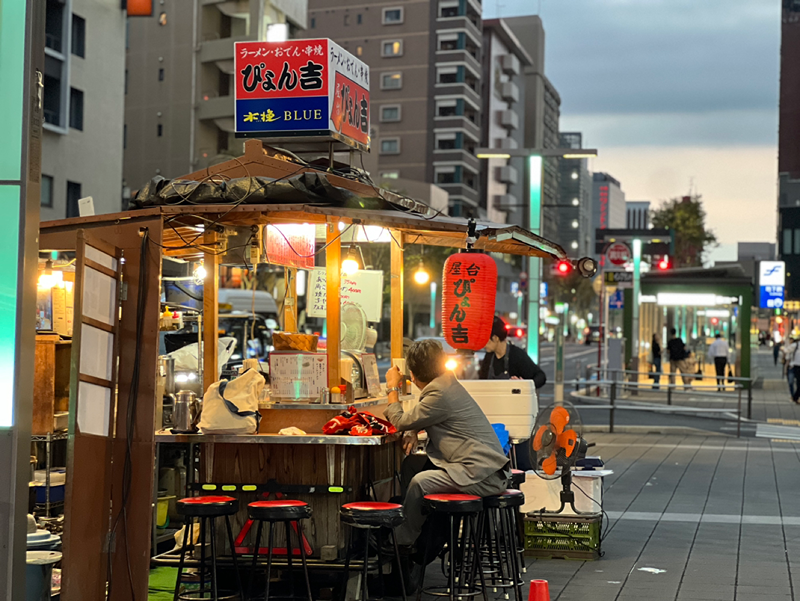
[(324, 439), (340, 407)]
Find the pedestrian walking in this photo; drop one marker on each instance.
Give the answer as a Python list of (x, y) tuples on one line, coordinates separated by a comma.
[(678, 358), (655, 359), (791, 358), (718, 354), (777, 343)]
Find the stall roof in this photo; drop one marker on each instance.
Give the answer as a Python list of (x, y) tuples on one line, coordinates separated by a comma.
[(184, 222)]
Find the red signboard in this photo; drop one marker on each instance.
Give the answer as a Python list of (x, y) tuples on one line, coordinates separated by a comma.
[(350, 113), (618, 253), (603, 207), (291, 245)]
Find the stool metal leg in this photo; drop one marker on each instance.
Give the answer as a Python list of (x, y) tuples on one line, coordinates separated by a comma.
[(303, 558), (379, 539), (461, 583), (269, 558), (494, 516), (214, 591), (255, 558), (233, 554), (452, 571), (186, 528), (424, 563), (289, 553), (347, 554), (478, 559), (364, 589), (203, 557), (399, 566), (506, 515)]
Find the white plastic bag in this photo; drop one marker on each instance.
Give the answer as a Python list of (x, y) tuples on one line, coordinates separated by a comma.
[(232, 407), (186, 357)]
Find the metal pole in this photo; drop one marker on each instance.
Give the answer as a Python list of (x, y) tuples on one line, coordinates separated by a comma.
[(750, 400), (637, 268), (535, 179), (739, 416), (612, 399), (669, 393), (559, 384), (600, 331)]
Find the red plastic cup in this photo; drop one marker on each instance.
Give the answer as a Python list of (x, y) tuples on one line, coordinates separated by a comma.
[(540, 591)]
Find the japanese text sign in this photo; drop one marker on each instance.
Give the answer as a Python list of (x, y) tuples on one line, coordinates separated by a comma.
[(302, 87), (364, 287), (771, 283), (469, 289), (290, 245)]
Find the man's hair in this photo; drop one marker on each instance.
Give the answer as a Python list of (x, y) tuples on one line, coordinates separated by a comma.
[(499, 329), (673, 332), (426, 360), (717, 335)]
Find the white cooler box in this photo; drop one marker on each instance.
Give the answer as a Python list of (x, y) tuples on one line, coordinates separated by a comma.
[(510, 402), (540, 493)]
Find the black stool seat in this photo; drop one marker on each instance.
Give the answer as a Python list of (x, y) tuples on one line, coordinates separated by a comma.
[(509, 498), (278, 511), (517, 478), (210, 506), (372, 515), (454, 503)]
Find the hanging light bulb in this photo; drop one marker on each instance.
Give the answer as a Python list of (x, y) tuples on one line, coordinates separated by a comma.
[(48, 279), (200, 273), (350, 264), (421, 276)]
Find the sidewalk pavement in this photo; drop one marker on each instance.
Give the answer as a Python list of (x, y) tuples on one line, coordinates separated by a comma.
[(719, 515)]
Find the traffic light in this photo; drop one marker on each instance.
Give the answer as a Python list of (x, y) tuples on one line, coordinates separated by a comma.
[(664, 263), (563, 267)]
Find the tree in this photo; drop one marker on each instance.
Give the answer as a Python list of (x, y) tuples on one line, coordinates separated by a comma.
[(687, 219)]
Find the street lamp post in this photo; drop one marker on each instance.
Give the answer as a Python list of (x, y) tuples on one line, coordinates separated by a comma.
[(535, 171)]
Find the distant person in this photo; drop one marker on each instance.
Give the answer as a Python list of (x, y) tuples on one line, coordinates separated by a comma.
[(655, 359), (504, 361), (718, 354), (791, 359), (678, 358), (777, 343)]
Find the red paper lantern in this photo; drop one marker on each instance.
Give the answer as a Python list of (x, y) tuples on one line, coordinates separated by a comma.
[(469, 290)]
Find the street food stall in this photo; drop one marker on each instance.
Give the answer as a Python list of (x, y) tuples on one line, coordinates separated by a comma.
[(113, 446)]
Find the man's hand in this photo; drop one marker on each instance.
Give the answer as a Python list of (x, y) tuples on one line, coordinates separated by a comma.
[(410, 441), (393, 377)]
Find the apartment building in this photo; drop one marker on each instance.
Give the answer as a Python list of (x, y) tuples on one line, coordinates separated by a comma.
[(425, 59), (179, 103), (637, 214), (608, 204), (573, 210), (83, 106)]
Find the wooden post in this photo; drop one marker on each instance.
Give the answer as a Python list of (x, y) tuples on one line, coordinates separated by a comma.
[(397, 277), (333, 269), (210, 310), (290, 304)]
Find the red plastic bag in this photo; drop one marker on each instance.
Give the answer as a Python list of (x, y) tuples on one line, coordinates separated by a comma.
[(358, 424)]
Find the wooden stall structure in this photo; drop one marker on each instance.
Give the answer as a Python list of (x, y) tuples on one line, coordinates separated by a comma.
[(192, 231)]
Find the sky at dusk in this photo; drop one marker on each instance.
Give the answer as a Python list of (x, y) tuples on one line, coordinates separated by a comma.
[(673, 93)]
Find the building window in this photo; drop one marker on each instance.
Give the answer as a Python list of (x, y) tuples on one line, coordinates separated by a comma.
[(449, 75), (160, 74), (449, 8), (392, 48), (448, 141), (47, 191), (358, 19), (78, 36), (73, 196), (359, 50), (449, 41), (390, 146), (390, 174), (448, 108), (390, 113), (447, 175), (53, 92), (313, 22), (392, 16), (54, 25), (346, 19), (391, 81), (160, 130), (787, 242), (76, 109)]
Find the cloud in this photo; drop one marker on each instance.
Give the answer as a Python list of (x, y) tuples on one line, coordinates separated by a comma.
[(738, 184)]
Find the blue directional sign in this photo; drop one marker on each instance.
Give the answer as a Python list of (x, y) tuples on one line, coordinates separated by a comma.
[(617, 300), (771, 282)]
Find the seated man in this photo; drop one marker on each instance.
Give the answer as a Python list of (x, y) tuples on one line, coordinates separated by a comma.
[(462, 445)]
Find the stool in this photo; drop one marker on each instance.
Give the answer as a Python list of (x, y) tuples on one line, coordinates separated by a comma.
[(501, 537), (517, 479), (370, 516), (273, 512), (207, 509), (458, 508)]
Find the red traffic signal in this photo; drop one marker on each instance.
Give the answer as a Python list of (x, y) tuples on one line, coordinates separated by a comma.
[(663, 264), (563, 267)]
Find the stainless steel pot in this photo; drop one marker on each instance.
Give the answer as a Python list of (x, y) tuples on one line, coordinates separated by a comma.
[(186, 415)]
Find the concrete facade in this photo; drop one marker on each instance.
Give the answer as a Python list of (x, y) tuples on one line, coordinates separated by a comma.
[(637, 214), (608, 204), (179, 104), (574, 204), (542, 111), (84, 106)]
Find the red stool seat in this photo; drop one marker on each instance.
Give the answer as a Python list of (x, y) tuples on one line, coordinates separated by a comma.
[(208, 506), (369, 514), (279, 510), (509, 498), (517, 478), (454, 503)]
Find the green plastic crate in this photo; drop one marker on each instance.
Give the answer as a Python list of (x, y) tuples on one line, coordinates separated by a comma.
[(563, 536)]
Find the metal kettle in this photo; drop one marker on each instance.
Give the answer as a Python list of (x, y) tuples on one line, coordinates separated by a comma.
[(186, 414)]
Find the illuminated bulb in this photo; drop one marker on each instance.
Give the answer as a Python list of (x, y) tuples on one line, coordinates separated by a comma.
[(574, 244), (574, 223), (350, 264), (575, 202), (200, 273), (421, 276), (451, 364)]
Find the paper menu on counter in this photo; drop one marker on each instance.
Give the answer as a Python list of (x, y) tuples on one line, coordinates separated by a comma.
[(297, 374), (370, 365)]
